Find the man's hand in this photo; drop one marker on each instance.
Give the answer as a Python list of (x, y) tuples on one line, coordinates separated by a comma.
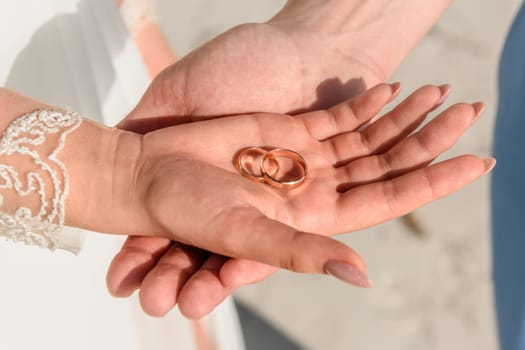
[(311, 55)]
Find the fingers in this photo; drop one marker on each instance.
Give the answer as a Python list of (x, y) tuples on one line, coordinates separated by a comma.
[(246, 233), (351, 114), (136, 258), (160, 288), (417, 150), (403, 194), (204, 290), (239, 272), (180, 277), (217, 280), (387, 131)]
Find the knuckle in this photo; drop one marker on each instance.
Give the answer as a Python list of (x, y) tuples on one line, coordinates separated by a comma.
[(429, 184), (292, 259), (385, 162), (364, 138), (389, 192)]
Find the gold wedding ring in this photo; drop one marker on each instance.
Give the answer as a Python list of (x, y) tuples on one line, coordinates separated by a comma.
[(240, 164), (269, 176), (281, 152)]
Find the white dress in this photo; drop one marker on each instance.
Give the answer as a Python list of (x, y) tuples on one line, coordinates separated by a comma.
[(78, 54)]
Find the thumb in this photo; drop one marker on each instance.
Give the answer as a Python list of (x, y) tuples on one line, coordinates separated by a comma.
[(164, 103), (256, 237)]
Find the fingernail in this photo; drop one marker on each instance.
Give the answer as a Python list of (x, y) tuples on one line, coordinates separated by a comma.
[(479, 107), (347, 273), (445, 91), (396, 88), (490, 163)]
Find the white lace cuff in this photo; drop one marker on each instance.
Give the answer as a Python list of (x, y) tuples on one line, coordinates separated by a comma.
[(31, 174)]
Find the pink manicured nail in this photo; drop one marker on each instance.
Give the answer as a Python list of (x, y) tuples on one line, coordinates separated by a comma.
[(479, 107), (347, 273), (490, 163), (445, 91), (396, 88)]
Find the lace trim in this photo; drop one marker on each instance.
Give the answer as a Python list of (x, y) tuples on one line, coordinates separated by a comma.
[(34, 140)]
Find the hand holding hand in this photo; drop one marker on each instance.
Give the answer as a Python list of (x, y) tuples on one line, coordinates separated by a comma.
[(310, 55), (357, 178)]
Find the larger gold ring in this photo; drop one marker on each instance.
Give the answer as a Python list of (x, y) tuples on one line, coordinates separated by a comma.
[(281, 152), (248, 174)]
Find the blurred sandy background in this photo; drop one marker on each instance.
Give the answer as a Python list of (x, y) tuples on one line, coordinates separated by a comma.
[(429, 293)]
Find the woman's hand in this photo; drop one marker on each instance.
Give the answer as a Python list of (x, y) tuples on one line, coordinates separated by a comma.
[(356, 179)]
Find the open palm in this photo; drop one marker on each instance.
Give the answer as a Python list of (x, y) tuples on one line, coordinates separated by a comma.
[(356, 178), (280, 66)]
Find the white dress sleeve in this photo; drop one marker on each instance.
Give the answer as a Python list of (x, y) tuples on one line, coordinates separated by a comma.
[(33, 176), (78, 53)]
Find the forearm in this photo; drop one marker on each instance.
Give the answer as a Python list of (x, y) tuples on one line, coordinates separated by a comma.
[(379, 28), (99, 166)]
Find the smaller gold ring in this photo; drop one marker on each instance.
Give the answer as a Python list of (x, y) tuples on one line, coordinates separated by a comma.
[(282, 152), (245, 172)]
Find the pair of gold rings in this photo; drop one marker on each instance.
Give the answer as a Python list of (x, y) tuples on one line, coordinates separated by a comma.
[(270, 168)]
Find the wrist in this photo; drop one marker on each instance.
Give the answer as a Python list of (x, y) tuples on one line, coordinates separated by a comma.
[(90, 168), (319, 16), (336, 16), (103, 164), (378, 33)]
